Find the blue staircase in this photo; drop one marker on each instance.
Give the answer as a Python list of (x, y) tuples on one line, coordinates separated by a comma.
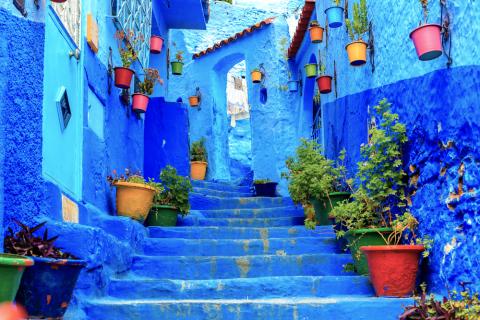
[(241, 258)]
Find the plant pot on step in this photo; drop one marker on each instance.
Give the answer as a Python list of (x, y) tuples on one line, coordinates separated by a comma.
[(311, 70), (140, 102), (268, 189), (156, 44), (198, 170), (334, 16), (316, 34), (428, 41), (12, 268), (324, 84), (256, 76), (162, 216), (365, 237), (393, 269), (134, 200), (357, 53), (177, 68), (323, 207), (123, 77), (194, 101), (47, 288)]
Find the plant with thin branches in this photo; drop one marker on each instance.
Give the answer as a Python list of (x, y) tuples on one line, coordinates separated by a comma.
[(359, 26)]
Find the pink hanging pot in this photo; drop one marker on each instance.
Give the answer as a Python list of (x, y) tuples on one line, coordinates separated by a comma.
[(140, 102), (156, 44), (428, 41)]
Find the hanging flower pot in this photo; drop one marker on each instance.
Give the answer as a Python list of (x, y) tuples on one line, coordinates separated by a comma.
[(156, 44), (334, 16), (357, 53), (256, 76), (194, 101), (140, 102), (123, 77), (12, 268), (324, 84), (428, 41), (293, 86), (311, 70), (177, 68), (316, 32), (393, 269), (58, 1)]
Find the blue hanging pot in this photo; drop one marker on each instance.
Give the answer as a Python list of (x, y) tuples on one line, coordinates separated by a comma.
[(293, 85), (334, 16)]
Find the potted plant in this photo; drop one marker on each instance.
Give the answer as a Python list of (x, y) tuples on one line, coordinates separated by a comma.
[(177, 66), (357, 49), (170, 200), (292, 84), (316, 32), (140, 99), (12, 268), (324, 81), (257, 75), (427, 38), (126, 43), (265, 188), (134, 196), (335, 14), (311, 70), (379, 194), (156, 44), (198, 160), (47, 287)]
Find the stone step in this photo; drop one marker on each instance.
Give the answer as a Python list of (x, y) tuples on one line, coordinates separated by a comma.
[(242, 222), (229, 247), (334, 308), (227, 267), (218, 193), (239, 233), (199, 201), (250, 288), (220, 186), (291, 211)]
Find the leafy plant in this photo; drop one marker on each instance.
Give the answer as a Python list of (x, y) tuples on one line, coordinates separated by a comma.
[(359, 26), (179, 56), (173, 190), (262, 181), (227, 1), (322, 68), (152, 77), (126, 46), (25, 243), (314, 23), (129, 176), (198, 151), (337, 2)]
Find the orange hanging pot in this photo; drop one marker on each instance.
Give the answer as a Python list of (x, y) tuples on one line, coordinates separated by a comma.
[(316, 34), (256, 76), (357, 53), (324, 84), (194, 101)]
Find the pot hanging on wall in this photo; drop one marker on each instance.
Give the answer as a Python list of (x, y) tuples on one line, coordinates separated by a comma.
[(156, 44), (293, 85), (58, 1), (194, 101), (324, 84), (334, 16), (316, 32), (177, 68), (428, 41), (256, 76), (140, 102), (123, 77), (357, 53), (311, 70)]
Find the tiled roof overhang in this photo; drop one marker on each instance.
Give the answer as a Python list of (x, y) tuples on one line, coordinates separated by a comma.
[(302, 28)]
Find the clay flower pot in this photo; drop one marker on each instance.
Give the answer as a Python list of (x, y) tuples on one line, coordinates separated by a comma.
[(134, 200), (162, 216), (334, 16), (316, 34), (156, 44), (194, 101), (256, 76), (357, 53), (311, 70), (140, 102), (177, 68), (428, 41), (123, 77), (324, 84), (198, 170), (393, 269), (12, 268)]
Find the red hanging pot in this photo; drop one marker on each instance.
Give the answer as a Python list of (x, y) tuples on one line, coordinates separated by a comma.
[(393, 269), (156, 44), (140, 102), (428, 41), (324, 84), (58, 1), (123, 77)]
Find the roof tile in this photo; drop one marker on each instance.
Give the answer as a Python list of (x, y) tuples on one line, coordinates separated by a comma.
[(302, 28)]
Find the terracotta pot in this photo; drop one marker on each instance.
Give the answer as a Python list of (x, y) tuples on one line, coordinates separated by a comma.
[(140, 102), (256, 76), (198, 170), (316, 34), (324, 84), (134, 200), (428, 41), (123, 77), (193, 100), (357, 53), (393, 269), (156, 44)]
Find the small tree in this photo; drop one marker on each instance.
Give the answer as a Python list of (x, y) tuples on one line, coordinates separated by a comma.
[(359, 26), (174, 190)]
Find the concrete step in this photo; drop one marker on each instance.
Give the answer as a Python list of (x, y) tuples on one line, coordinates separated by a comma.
[(199, 201), (227, 267), (242, 222), (334, 308), (218, 193), (239, 233), (229, 247), (220, 186), (291, 211), (250, 288)]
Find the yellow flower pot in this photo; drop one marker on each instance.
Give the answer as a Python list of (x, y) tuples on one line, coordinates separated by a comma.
[(357, 53), (198, 170), (134, 200), (256, 76)]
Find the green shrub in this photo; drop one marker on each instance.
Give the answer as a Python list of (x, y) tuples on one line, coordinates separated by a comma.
[(174, 190), (198, 151), (262, 181)]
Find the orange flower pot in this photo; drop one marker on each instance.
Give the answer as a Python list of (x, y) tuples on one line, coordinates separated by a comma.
[(316, 34), (134, 200), (193, 100), (198, 170), (256, 76), (357, 52)]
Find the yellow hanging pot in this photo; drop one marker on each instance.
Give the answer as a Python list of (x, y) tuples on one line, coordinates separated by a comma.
[(357, 53)]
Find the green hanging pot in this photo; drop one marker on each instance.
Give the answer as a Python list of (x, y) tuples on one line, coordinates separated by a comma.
[(11, 271), (162, 216), (177, 68), (311, 70)]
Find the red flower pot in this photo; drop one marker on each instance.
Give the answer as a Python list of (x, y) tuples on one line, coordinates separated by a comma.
[(140, 102), (393, 269), (58, 1), (156, 44), (324, 84), (123, 77), (428, 41)]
